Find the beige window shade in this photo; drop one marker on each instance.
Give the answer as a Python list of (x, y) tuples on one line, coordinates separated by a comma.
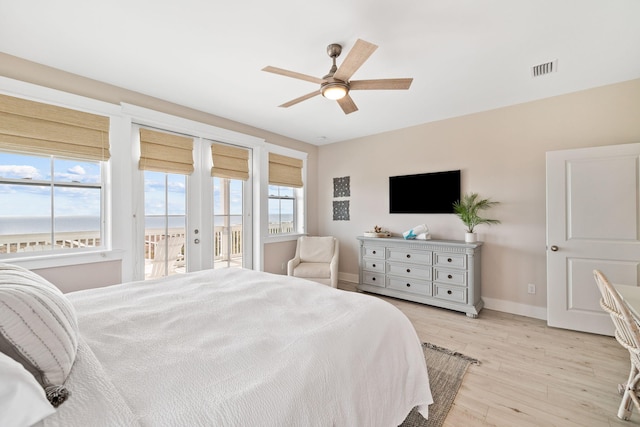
[(230, 162), (165, 152), (285, 171), (36, 128)]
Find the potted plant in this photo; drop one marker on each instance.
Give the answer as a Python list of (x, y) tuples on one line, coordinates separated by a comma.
[(468, 209)]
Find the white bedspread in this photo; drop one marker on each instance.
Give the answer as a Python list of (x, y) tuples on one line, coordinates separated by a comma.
[(235, 347)]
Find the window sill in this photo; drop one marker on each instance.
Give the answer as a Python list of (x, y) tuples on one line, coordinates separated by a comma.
[(282, 237), (63, 260)]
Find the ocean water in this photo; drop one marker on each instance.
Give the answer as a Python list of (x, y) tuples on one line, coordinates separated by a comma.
[(33, 225)]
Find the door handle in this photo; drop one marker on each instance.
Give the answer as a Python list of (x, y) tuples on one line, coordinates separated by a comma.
[(554, 248)]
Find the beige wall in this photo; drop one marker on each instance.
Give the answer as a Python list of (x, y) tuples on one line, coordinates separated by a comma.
[(83, 276), (502, 156)]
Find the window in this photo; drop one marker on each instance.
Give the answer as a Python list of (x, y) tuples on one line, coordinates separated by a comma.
[(164, 223), (228, 199), (285, 194), (282, 204), (49, 203)]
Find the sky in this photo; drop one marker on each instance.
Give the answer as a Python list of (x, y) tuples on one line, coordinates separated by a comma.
[(35, 200)]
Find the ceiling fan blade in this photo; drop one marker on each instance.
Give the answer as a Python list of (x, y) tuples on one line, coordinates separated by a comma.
[(360, 52), (293, 74), (300, 99), (380, 84), (347, 104)]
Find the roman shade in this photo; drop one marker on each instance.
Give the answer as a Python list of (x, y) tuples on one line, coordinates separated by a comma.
[(285, 171), (165, 152), (37, 128), (230, 162)]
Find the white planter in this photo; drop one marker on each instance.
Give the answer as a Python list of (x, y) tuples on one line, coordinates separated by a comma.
[(470, 237)]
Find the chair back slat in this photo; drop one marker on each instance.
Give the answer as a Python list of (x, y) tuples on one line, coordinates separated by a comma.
[(627, 330)]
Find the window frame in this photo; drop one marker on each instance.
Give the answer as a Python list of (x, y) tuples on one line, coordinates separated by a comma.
[(279, 197), (53, 184)]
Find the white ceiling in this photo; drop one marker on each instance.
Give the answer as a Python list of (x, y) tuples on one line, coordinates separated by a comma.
[(465, 55)]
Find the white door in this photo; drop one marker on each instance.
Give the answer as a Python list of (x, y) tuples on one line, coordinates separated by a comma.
[(592, 223)]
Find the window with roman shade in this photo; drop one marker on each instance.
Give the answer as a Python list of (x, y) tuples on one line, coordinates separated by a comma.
[(285, 194), (51, 164), (165, 152), (37, 128), (230, 162), (285, 171)]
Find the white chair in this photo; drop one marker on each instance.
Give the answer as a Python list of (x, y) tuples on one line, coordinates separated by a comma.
[(316, 259), (166, 251), (628, 335)]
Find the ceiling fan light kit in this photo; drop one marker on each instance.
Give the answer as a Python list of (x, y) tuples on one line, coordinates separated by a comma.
[(334, 90), (336, 85)]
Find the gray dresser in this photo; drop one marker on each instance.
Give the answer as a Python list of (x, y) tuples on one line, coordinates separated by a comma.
[(442, 273)]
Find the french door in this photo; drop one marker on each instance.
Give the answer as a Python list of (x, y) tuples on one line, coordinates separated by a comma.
[(194, 222)]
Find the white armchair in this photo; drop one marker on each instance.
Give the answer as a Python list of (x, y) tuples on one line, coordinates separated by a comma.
[(316, 259)]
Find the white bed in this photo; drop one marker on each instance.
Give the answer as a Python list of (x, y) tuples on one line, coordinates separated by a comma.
[(235, 347)]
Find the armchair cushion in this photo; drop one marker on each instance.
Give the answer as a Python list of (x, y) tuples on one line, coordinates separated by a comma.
[(320, 270), (316, 249)]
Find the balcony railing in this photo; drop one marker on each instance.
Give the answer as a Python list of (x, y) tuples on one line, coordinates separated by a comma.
[(14, 243), (36, 242)]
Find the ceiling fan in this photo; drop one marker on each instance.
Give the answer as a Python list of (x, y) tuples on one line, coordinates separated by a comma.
[(336, 84)]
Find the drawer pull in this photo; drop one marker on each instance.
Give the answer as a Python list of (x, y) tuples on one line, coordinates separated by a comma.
[(374, 252), (449, 292), (449, 276), (374, 266), (408, 285), (408, 270), (449, 260), (373, 278), (408, 255)]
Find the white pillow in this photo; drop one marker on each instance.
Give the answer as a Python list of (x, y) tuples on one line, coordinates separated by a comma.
[(22, 400), (38, 328)]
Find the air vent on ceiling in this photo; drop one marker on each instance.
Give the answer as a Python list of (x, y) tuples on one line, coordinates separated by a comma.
[(546, 68)]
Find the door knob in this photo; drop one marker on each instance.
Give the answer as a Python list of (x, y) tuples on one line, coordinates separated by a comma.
[(554, 248)]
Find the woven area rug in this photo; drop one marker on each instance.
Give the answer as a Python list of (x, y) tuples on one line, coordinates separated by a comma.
[(446, 370)]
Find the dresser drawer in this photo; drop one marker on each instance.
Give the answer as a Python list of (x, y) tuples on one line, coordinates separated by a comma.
[(409, 270), (452, 277), (376, 252), (416, 257), (375, 279), (450, 293), (413, 286), (450, 260), (373, 265)]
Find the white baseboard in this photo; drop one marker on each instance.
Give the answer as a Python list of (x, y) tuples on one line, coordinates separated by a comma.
[(489, 303), (348, 277), (515, 308)]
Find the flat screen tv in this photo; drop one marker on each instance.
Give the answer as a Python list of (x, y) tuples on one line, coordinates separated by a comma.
[(430, 193)]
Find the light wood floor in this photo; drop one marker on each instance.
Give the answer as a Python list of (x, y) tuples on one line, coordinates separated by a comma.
[(530, 374)]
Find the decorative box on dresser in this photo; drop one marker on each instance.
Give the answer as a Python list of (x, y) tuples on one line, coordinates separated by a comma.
[(442, 273)]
